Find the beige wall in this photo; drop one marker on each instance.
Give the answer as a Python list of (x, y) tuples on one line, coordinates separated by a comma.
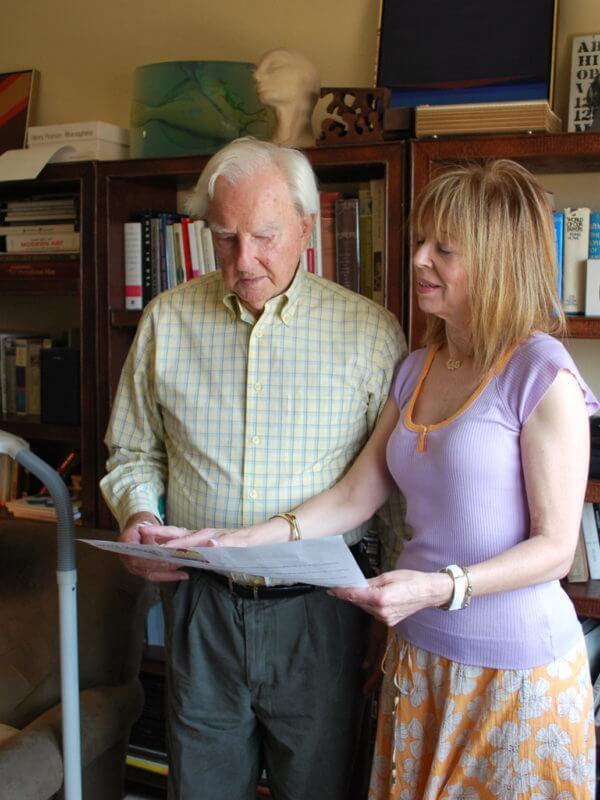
[(86, 51)]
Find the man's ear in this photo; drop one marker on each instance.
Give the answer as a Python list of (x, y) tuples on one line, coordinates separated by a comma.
[(308, 223)]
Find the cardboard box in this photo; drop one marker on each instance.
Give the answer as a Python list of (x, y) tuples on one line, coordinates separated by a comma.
[(93, 141)]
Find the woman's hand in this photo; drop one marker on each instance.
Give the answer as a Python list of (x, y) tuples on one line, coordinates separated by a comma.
[(393, 596), (182, 538)]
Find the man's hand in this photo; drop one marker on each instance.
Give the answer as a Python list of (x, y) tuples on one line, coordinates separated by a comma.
[(133, 533)]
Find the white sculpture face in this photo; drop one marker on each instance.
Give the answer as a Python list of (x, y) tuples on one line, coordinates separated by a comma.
[(282, 76)]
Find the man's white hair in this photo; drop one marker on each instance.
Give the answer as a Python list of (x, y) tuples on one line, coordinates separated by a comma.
[(246, 156)]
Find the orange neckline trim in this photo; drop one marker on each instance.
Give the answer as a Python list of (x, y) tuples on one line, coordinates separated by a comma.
[(423, 430)]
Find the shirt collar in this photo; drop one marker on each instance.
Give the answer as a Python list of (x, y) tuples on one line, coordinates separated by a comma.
[(283, 305)]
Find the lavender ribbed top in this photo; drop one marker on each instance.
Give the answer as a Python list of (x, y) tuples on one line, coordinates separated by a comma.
[(466, 502)]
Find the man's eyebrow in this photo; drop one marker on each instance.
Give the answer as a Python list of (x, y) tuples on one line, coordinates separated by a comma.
[(265, 231)]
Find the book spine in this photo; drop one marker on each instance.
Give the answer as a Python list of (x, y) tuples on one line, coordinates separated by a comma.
[(9, 375), (193, 241), (162, 246), (579, 571), (33, 374), (559, 234), (179, 253), (36, 230), (21, 376), (378, 233), (208, 250), (186, 249), (146, 234), (327, 202), (66, 242), (594, 245), (575, 252), (133, 265), (592, 287), (198, 225), (590, 537), (29, 269), (365, 222), (347, 243), (155, 283)]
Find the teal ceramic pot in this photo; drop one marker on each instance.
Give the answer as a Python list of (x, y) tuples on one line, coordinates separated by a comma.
[(190, 107)]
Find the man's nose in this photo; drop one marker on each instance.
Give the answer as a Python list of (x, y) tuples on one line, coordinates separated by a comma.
[(246, 253)]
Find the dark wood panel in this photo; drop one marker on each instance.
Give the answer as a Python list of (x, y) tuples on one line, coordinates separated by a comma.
[(30, 428), (592, 494)]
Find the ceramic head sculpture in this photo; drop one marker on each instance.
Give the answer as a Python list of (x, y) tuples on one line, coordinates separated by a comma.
[(288, 83)]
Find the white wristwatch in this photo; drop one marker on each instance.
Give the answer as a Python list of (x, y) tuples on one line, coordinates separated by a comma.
[(461, 594)]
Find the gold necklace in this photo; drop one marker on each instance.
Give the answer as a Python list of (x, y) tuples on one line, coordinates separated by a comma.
[(453, 363)]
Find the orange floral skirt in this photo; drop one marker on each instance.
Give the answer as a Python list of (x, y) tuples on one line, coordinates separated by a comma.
[(449, 730)]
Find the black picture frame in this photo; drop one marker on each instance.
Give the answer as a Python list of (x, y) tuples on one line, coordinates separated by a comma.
[(466, 51)]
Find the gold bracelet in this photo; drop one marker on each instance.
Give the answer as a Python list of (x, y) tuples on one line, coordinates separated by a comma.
[(293, 523)]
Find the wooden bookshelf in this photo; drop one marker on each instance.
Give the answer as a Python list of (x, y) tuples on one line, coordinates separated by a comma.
[(127, 188), (73, 278)]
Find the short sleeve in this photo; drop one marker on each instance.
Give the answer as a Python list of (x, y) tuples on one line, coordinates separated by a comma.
[(406, 376), (531, 371)]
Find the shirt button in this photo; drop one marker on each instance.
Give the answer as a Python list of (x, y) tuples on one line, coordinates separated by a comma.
[(256, 440), (252, 494), (258, 387), (259, 334), (317, 467)]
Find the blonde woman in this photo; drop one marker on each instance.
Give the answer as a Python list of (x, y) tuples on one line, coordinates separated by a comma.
[(487, 690)]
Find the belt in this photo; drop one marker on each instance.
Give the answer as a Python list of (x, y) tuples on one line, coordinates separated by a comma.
[(260, 592)]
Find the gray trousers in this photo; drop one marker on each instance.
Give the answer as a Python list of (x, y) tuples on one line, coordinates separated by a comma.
[(253, 683)]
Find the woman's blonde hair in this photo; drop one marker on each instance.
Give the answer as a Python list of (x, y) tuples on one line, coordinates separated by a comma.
[(499, 217)]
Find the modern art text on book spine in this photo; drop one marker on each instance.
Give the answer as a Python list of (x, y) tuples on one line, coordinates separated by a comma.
[(575, 253)]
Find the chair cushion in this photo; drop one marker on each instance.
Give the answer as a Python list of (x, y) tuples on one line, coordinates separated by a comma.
[(6, 731)]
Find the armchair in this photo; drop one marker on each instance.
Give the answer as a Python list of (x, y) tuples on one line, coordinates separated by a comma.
[(111, 613)]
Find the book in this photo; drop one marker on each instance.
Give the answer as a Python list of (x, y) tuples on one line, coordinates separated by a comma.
[(186, 249), (594, 243), (365, 225), (146, 234), (327, 204), (179, 254), (210, 261), (193, 241), (56, 243), (14, 229), (584, 84), (132, 234), (197, 226), (379, 233), (156, 286), (591, 540), (20, 376), (559, 239), (30, 268), (592, 287), (32, 374), (38, 508), (347, 253), (524, 116), (575, 253), (579, 571)]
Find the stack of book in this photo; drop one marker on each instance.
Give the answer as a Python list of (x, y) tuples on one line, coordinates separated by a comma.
[(38, 508), (39, 224), (163, 250), (347, 245), (20, 371), (526, 116), (578, 256)]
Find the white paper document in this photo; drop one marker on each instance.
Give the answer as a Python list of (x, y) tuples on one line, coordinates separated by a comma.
[(320, 562), (18, 165)]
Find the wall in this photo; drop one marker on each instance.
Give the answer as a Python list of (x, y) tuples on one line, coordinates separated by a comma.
[(86, 51)]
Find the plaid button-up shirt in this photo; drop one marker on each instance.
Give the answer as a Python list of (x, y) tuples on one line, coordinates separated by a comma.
[(233, 419)]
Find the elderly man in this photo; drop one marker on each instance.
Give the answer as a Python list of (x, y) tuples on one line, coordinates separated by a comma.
[(246, 392)]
